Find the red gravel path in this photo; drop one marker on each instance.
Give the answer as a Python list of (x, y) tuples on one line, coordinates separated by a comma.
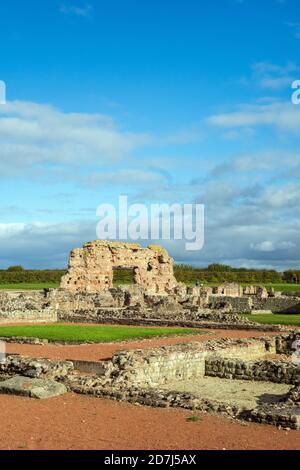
[(97, 352), (80, 422)]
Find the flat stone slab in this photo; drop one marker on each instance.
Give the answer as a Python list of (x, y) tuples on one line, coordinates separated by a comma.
[(33, 388), (243, 394)]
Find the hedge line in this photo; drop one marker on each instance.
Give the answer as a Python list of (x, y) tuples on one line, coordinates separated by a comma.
[(31, 276), (183, 273), (189, 274)]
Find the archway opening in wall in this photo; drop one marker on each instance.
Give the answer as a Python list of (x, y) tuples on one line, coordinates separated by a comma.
[(123, 276)]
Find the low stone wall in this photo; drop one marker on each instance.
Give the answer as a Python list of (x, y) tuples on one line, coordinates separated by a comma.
[(239, 304), (286, 417), (283, 417), (248, 304), (100, 315), (270, 371), (284, 343), (283, 304), (136, 376), (29, 316), (154, 367), (35, 368), (138, 321), (134, 303), (25, 308)]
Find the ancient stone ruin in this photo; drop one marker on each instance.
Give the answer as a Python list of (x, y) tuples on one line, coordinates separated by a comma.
[(91, 267), (248, 379), (255, 379)]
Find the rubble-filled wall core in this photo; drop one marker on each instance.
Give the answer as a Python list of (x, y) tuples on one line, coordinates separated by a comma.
[(91, 267)]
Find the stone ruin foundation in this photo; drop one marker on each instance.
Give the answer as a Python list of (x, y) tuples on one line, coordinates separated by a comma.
[(246, 379)]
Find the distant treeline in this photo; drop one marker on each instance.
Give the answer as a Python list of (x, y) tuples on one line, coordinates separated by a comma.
[(24, 276), (214, 273), (223, 273)]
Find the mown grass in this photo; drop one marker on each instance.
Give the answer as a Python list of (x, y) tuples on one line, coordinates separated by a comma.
[(29, 286), (284, 287), (92, 333), (276, 319)]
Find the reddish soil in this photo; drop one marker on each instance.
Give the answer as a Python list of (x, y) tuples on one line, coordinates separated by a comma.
[(97, 352), (80, 422)]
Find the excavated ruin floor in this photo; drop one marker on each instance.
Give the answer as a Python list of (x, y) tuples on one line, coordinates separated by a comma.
[(244, 394)]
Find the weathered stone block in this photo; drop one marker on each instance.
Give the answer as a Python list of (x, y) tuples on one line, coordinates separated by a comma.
[(33, 388)]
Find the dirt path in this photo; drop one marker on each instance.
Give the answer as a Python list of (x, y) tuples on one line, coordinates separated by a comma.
[(97, 352), (80, 422)]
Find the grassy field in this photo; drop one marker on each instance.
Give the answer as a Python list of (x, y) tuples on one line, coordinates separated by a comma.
[(93, 333), (39, 286), (25, 286), (276, 319)]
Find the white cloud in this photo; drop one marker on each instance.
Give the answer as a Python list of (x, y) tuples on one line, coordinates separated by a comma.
[(269, 246), (282, 115), (128, 177), (36, 136), (273, 76), (71, 9), (252, 202), (42, 245)]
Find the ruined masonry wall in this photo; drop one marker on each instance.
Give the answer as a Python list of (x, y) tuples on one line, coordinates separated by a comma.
[(23, 308), (91, 267), (271, 371), (239, 304), (182, 362), (277, 305)]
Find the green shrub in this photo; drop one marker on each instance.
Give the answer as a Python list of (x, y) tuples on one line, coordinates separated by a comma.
[(14, 269)]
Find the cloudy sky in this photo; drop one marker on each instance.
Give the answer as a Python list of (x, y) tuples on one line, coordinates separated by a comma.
[(163, 101)]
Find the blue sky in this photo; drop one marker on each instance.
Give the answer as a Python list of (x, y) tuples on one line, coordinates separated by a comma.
[(166, 101)]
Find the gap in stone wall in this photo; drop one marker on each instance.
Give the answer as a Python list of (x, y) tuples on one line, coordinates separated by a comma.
[(123, 276)]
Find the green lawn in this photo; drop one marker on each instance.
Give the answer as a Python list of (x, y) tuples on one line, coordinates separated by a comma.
[(93, 333), (276, 319), (29, 286), (284, 287), (39, 286)]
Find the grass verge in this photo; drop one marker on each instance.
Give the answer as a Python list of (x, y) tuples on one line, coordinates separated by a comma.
[(91, 333), (284, 287), (29, 286), (276, 319)]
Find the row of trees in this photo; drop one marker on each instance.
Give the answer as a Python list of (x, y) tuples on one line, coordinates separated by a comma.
[(223, 273), (292, 276), (15, 275), (184, 273)]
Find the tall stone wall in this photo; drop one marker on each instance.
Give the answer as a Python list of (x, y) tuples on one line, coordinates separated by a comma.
[(91, 267)]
